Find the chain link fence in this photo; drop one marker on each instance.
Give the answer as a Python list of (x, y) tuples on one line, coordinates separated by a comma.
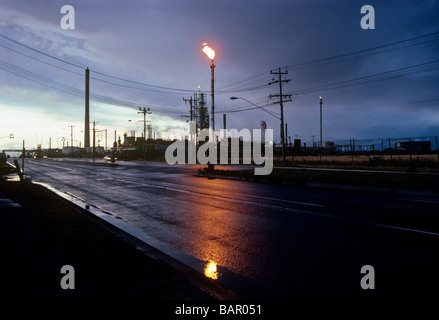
[(405, 151)]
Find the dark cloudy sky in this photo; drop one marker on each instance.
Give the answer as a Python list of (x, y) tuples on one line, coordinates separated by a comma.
[(390, 91)]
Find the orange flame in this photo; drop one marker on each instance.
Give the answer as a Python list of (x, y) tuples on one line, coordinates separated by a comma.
[(208, 51)]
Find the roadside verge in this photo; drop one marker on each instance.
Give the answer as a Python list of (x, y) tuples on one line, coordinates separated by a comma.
[(360, 180)]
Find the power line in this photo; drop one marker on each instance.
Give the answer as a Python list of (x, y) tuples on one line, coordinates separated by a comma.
[(170, 90), (20, 72), (347, 58), (40, 52), (328, 60), (251, 78), (177, 90), (251, 108), (387, 75), (42, 61), (318, 62), (350, 55), (332, 109)]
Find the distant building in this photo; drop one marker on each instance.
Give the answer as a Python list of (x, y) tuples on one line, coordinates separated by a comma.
[(329, 145), (99, 151), (54, 152), (68, 150), (129, 141), (416, 146)]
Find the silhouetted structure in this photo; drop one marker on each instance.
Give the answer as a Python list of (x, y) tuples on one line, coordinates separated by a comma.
[(416, 146)]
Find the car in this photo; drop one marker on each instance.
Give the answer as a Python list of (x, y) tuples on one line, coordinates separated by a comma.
[(110, 158)]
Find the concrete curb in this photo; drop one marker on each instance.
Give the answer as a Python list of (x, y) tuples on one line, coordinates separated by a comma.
[(180, 270)]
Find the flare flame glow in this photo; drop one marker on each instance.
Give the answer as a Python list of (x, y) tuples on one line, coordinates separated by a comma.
[(208, 51)]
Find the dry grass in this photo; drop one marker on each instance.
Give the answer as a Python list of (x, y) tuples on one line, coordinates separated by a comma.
[(428, 162)]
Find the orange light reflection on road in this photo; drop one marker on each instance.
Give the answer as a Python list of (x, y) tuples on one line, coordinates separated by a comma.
[(210, 270), (219, 230)]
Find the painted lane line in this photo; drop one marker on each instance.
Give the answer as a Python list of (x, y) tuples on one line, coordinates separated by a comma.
[(285, 200), (422, 201), (240, 194), (323, 215), (53, 166)]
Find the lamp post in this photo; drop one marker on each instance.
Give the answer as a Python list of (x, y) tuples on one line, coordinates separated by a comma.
[(321, 140), (211, 55)]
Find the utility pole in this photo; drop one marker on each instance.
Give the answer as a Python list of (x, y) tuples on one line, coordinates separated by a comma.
[(224, 121), (282, 99), (71, 140), (115, 146), (87, 111), (437, 149), (145, 112), (390, 150), (195, 111), (94, 138), (191, 107), (192, 115), (100, 131), (22, 159)]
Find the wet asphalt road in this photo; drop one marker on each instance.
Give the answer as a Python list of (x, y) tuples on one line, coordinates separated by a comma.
[(269, 241)]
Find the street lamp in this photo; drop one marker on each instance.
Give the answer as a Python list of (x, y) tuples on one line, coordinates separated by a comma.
[(211, 55), (321, 141), (270, 113)]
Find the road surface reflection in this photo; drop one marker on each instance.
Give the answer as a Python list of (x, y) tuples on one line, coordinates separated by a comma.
[(210, 270), (221, 232)]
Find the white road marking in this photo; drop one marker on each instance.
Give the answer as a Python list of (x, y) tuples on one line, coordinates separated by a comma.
[(419, 200), (53, 166), (324, 215)]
